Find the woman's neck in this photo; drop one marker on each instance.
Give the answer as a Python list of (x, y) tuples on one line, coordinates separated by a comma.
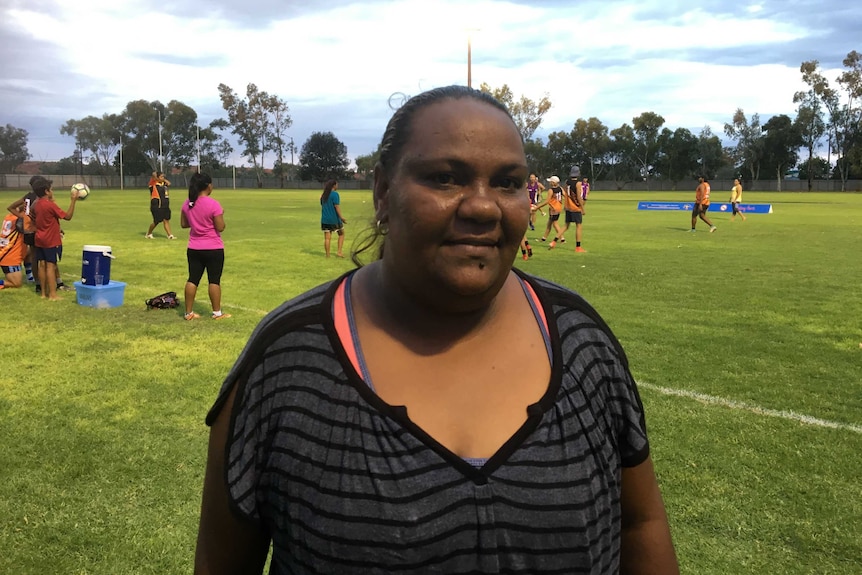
[(420, 325)]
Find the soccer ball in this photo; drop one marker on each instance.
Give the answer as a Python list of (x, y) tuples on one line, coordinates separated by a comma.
[(83, 191)]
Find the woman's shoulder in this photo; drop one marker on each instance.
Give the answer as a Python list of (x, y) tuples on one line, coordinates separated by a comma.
[(568, 307), (553, 292), (308, 307), (576, 322)]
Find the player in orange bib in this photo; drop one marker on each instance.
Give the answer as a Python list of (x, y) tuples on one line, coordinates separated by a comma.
[(701, 204), (555, 208), (160, 206), (12, 251), (575, 207)]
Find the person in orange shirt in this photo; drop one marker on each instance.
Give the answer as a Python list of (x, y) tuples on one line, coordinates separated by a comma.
[(154, 178), (575, 207), (12, 250), (555, 208), (701, 204), (160, 206)]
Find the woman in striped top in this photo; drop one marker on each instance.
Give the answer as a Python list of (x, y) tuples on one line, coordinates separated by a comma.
[(399, 419)]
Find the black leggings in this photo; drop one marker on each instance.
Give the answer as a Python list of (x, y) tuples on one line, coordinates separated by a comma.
[(210, 260)]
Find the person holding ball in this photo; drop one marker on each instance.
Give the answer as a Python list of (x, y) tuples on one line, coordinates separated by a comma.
[(49, 239)]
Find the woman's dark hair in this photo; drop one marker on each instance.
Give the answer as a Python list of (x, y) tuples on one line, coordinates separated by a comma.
[(398, 132), (398, 129), (198, 183), (327, 189)]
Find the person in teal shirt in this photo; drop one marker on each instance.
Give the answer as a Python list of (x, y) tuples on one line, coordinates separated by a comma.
[(330, 217)]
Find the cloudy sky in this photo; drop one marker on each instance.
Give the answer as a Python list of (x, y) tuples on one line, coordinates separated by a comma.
[(337, 62)]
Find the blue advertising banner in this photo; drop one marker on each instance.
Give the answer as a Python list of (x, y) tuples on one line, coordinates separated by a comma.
[(713, 207)]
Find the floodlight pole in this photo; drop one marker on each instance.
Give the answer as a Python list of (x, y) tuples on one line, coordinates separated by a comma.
[(161, 165), (469, 62), (470, 56), (121, 164)]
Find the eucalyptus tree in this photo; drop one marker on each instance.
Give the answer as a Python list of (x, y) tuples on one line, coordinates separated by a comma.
[(646, 142), (780, 145), (100, 136), (845, 117), (526, 112), (811, 127), (749, 141), (13, 147)]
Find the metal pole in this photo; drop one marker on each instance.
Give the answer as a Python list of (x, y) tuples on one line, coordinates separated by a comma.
[(199, 148), (469, 62), (121, 164), (161, 165)]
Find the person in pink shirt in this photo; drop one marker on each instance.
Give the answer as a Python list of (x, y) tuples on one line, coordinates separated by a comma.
[(204, 217)]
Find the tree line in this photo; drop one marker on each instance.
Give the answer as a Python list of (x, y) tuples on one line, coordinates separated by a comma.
[(151, 136), (644, 150)]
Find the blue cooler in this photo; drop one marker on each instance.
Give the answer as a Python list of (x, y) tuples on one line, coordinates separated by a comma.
[(96, 265)]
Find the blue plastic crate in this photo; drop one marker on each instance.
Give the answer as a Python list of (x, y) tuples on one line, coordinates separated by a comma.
[(100, 296)]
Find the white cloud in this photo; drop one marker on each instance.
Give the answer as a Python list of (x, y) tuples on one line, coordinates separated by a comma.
[(754, 8), (336, 68)]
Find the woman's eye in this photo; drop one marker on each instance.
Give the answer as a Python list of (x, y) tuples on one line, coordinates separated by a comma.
[(443, 179), (511, 184)]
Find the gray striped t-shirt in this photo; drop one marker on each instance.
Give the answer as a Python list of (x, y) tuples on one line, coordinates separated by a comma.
[(346, 483)]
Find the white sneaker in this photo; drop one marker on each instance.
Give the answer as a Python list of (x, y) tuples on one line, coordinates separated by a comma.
[(149, 236), (172, 237), (712, 229)]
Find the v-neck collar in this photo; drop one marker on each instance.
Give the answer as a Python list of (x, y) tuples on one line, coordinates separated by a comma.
[(333, 313)]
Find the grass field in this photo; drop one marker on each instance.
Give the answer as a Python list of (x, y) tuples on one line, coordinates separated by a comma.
[(747, 344)]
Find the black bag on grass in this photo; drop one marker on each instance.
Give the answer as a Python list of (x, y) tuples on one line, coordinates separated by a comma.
[(167, 300)]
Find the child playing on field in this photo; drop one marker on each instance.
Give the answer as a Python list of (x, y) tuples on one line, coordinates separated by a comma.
[(12, 251), (49, 242)]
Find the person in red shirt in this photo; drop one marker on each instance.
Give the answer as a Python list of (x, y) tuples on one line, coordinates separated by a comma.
[(49, 242)]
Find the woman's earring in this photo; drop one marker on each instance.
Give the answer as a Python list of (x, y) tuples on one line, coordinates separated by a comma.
[(382, 228)]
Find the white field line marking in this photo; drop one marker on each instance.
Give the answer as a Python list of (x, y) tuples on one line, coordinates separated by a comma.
[(713, 400), (259, 312), (206, 301)]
